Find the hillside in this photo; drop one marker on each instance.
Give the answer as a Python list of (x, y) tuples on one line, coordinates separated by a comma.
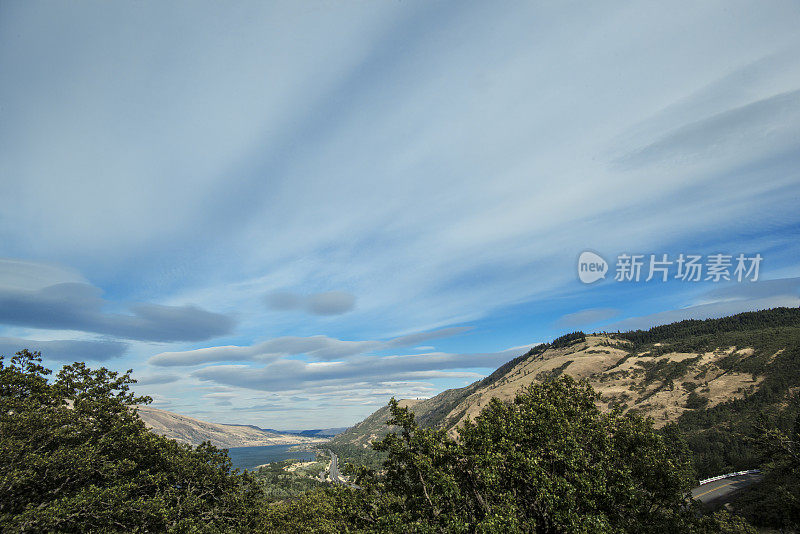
[(193, 431), (693, 374), (318, 432), (622, 376)]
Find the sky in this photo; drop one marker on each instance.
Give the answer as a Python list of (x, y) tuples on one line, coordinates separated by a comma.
[(284, 213)]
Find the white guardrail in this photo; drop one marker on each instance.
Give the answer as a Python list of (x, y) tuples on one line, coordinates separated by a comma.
[(729, 475)]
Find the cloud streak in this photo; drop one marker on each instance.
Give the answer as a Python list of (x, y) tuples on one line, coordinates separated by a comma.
[(703, 311), (77, 306), (156, 379), (327, 303), (285, 374), (586, 317), (65, 350), (317, 347)]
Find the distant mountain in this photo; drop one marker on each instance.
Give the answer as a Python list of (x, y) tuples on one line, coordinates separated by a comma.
[(193, 431), (729, 368), (319, 432)]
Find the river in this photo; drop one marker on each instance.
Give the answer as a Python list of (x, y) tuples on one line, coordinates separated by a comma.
[(250, 457)]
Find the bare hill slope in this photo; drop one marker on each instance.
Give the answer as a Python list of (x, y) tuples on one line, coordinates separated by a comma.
[(193, 431), (663, 373)]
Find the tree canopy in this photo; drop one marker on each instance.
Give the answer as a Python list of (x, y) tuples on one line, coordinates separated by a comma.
[(74, 457), (549, 461)]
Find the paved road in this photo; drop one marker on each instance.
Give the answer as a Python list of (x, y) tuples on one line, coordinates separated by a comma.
[(335, 475), (719, 490)]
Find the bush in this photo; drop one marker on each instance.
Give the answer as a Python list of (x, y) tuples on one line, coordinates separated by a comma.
[(696, 401)]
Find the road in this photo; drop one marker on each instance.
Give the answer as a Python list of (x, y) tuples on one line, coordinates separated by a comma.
[(334, 470), (719, 490)]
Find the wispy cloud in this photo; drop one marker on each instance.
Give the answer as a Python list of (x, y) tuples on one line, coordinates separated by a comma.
[(769, 122), (722, 301), (75, 306), (287, 374), (65, 349), (155, 379), (780, 287), (317, 347), (586, 317), (420, 337), (320, 347), (327, 303), (29, 275)]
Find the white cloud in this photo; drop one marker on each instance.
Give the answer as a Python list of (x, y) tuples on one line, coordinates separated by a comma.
[(285, 374), (317, 347)]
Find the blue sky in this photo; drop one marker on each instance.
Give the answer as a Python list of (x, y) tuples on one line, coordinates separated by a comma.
[(284, 213)]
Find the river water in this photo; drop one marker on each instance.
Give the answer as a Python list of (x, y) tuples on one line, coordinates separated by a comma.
[(250, 457)]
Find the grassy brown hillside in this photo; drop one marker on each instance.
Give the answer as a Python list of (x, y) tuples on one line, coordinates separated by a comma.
[(657, 384), (676, 373), (193, 431)]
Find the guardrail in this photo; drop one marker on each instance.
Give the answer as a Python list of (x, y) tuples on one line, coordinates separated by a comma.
[(729, 475)]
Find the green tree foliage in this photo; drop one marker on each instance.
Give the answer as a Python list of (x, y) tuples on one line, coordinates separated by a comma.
[(568, 339), (74, 457), (724, 437), (549, 461), (333, 510), (277, 483), (759, 320), (355, 455), (695, 401), (775, 502)]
